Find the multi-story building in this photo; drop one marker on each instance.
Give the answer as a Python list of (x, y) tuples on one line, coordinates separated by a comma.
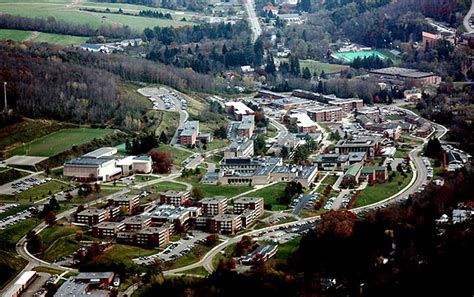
[(188, 133), (254, 203), (325, 114), (177, 216), (127, 202), (246, 126), (176, 198), (136, 222), (347, 105), (303, 123), (213, 206), (93, 216), (89, 168), (248, 217), (238, 109), (239, 148), (154, 236), (346, 146), (107, 229), (226, 223)]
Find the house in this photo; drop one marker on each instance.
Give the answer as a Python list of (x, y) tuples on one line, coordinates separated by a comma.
[(187, 135)]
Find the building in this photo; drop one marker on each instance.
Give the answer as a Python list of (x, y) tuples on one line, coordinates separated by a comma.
[(25, 280), (374, 174), (176, 198), (289, 103), (95, 48), (238, 109), (413, 95), (261, 253), (213, 206), (346, 146), (331, 161), (270, 8), (252, 203), (93, 216), (429, 39), (95, 278), (247, 170), (246, 126), (352, 173), (405, 76), (304, 175), (303, 123), (93, 167), (154, 236), (187, 135), (347, 105), (226, 223), (133, 164), (270, 95), (176, 216), (135, 223), (291, 18), (107, 229), (325, 114), (127, 202), (87, 284), (239, 148)]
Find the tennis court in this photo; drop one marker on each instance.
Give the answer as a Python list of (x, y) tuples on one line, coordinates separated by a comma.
[(351, 56)]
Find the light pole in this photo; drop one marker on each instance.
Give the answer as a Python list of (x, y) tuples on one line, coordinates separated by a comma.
[(5, 94)]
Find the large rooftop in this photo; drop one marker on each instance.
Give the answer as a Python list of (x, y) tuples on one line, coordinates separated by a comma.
[(190, 128), (403, 72)]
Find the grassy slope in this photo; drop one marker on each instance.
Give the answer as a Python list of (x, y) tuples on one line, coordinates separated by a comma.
[(378, 192), (318, 67), (164, 186), (19, 35), (60, 141), (270, 194)]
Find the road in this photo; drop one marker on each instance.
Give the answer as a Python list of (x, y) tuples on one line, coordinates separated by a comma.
[(282, 130), (468, 17), (249, 6)]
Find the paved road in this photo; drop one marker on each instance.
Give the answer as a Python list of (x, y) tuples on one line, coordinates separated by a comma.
[(282, 130), (468, 17), (249, 6)]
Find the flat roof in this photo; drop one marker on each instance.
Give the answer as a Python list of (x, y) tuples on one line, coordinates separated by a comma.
[(247, 199), (225, 217), (92, 275), (108, 225), (25, 277), (89, 161), (100, 152), (248, 121), (214, 200), (303, 120), (239, 107), (404, 72), (91, 212), (190, 128)]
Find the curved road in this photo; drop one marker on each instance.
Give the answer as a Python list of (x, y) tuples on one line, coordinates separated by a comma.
[(468, 17)]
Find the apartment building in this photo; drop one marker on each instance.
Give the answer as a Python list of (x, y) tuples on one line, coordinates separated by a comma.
[(176, 198), (188, 134), (92, 216), (246, 126), (136, 222), (325, 114), (239, 148), (153, 236), (107, 229), (240, 204), (226, 223), (213, 206), (127, 202), (347, 105)]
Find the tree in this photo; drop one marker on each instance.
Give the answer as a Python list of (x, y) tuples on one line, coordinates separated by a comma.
[(221, 133), (163, 137), (97, 187), (50, 218), (197, 193), (301, 154), (433, 148), (211, 239), (389, 167), (400, 167), (162, 161), (79, 235), (284, 152), (270, 68), (259, 145), (34, 242), (68, 196), (306, 73)]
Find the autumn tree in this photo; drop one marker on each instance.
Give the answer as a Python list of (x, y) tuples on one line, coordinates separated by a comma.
[(162, 161), (197, 193)]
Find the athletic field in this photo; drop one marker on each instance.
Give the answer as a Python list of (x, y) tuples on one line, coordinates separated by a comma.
[(351, 56), (60, 141)]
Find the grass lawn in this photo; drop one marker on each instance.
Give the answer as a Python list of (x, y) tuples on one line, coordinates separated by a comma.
[(93, 196), (197, 271), (270, 195), (60, 141), (120, 253), (164, 186), (12, 234), (401, 153), (394, 117), (195, 255), (287, 248), (15, 35), (47, 270), (318, 67), (20, 35), (144, 178), (217, 143), (177, 154), (378, 192)]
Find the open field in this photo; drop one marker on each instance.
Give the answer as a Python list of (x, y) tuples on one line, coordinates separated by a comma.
[(164, 186), (37, 192), (318, 67), (215, 190), (378, 192), (19, 35), (270, 195), (177, 154), (69, 11), (217, 143), (60, 241), (120, 253), (351, 56), (60, 141)]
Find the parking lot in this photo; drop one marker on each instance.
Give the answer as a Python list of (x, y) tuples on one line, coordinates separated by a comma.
[(15, 218), (284, 234), (23, 185), (162, 99), (303, 201), (175, 249)]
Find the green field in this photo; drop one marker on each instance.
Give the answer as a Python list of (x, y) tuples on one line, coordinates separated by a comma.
[(60, 141), (120, 253), (351, 56), (197, 271), (270, 194), (378, 192), (69, 11), (318, 67), (195, 255), (164, 186), (37, 192), (178, 155), (59, 241), (19, 35)]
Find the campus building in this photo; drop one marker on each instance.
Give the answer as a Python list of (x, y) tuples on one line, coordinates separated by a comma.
[(239, 148), (246, 126), (238, 109), (325, 114), (346, 146), (213, 206), (98, 165), (187, 135), (303, 123), (107, 229), (405, 76), (226, 223), (176, 198), (129, 203), (153, 236)]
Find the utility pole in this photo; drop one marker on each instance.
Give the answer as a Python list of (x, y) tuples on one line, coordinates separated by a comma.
[(5, 94)]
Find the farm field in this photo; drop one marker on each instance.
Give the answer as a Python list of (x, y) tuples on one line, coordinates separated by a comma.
[(60, 141), (19, 35), (69, 11)]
